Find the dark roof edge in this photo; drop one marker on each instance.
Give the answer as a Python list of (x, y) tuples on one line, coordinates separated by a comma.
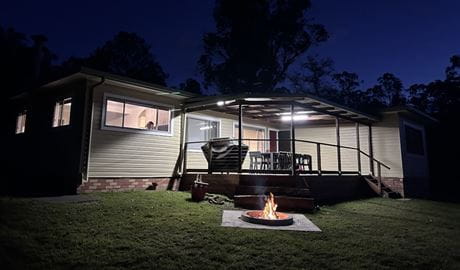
[(124, 79), (113, 77), (410, 109)]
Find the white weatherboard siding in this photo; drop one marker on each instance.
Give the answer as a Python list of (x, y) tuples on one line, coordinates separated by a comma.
[(327, 134), (130, 154), (387, 145)]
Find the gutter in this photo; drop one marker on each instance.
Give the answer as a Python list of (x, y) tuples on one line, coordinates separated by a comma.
[(88, 126)]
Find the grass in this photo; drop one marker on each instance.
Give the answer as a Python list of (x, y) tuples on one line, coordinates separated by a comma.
[(145, 230)]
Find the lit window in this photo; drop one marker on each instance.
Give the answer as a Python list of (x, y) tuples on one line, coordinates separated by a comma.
[(254, 134), (130, 115), (21, 122), (201, 130), (62, 112)]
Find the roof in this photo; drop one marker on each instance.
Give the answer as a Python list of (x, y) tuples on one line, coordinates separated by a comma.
[(412, 113), (257, 106), (268, 106), (97, 75)]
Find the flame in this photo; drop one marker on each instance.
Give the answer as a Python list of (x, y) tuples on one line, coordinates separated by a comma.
[(270, 208)]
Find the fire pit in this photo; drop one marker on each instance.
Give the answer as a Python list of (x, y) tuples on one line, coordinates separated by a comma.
[(268, 216)]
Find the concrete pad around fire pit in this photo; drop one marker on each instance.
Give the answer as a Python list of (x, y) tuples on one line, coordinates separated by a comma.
[(232, 218)]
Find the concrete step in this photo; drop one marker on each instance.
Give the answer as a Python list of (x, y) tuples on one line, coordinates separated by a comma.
[(273, 180), (285, 203), (277, 191)]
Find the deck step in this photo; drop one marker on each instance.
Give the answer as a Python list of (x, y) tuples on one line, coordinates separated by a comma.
[(285, 203), (273, 180), (386, 191), (277, 191)]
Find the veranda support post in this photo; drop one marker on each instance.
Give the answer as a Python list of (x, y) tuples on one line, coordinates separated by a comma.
[(358, 148), (371, 152), (293, 161), (337, 133), (240, 135)]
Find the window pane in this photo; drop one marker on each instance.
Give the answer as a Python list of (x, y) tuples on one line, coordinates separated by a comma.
[(252, 133), (114, 113), (21, 123), (163, 120), (201, 130), (57, 114), (414, 141), (140, 117), (67, 104)]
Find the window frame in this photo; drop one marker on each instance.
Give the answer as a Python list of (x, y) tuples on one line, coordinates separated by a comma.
[(138, 102), (61, 102), (422, 134), (235, 124), (204, 118), (21, 114)]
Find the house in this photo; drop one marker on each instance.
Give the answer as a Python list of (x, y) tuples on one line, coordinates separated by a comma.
[(95, 131)]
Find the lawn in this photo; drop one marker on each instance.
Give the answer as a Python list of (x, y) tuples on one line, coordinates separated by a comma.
[(145, 230)]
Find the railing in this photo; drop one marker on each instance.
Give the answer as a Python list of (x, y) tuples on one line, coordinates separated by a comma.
[(230, 164)]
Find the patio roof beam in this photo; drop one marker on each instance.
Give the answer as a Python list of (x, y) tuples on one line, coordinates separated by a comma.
[(329, 113)]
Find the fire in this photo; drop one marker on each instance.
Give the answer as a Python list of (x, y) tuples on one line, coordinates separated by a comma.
[(270, 208)]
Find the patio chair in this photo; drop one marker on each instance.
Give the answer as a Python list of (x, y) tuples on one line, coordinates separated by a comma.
[(303, 161), (258, 161), (224, 154)]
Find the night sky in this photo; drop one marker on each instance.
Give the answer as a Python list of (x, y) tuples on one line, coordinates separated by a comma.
[(413, 39)]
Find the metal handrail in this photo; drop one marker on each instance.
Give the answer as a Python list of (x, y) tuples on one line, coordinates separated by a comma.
[(305, 141)]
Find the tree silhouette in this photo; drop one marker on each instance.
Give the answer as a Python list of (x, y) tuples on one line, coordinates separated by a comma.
[(388, 92), (191, 85), (348, 84), (126, 54), (453, 71), (255, 43), (314, 77), (24, 62)]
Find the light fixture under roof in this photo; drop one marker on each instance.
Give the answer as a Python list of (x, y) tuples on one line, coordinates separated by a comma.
[(220, 103), (257, 99), (296, 117)]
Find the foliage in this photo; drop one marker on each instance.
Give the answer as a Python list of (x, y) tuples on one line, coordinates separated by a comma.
[(24, 62), (388, 91), (192, 86), (127, 54), (315, 79), (153, 230), (255, 43)]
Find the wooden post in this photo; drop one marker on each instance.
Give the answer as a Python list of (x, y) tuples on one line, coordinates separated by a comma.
[(339, 158), (293, 161), (358, 152), (210, 158), (240, 135), (379, 174), (184, 169), (318, 157), (371, 152), (182, 154)]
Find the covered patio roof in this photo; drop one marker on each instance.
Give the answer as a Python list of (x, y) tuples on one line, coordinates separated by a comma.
[(272, 108)]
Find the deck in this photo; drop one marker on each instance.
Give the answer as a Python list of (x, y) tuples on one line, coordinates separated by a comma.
[(293, 193)]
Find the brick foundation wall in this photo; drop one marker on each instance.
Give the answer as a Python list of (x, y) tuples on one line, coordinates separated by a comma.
[(396, 184), (126, 184)]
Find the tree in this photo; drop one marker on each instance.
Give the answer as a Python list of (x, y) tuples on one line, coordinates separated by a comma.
[(24, 62), (348, 84), (191, 85), (315, 79), (255, 43), (388, 92), (127, 54), (453, 71)]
